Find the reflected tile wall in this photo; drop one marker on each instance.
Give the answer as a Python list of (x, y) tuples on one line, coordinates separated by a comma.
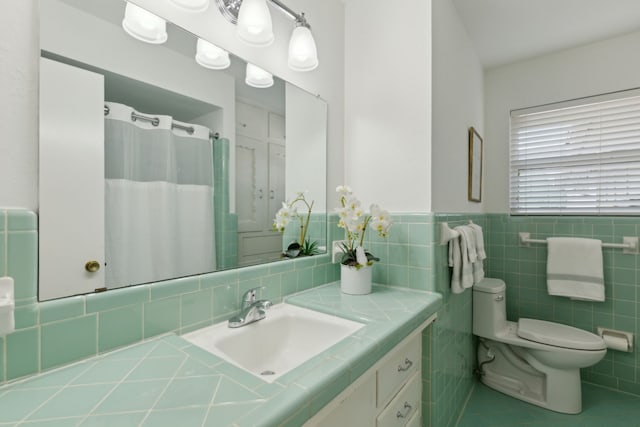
[(226, 223), (316, 232)]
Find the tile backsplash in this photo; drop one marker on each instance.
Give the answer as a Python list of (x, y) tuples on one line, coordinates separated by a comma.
[(53, 333), (56, 332)]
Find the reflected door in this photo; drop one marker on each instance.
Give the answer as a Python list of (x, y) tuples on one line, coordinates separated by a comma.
[(71, 211)]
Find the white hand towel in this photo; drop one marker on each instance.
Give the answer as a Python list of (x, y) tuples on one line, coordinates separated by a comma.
[(574, 268), (478, 265), (467, 240)]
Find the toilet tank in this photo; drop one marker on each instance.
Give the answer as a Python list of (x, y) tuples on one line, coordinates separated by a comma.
[(489, 307)]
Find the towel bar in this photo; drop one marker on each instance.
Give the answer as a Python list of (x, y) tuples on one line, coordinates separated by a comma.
[(630, 244), (447, 233)]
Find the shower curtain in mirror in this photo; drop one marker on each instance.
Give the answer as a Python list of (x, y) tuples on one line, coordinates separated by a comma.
[(159, 218)]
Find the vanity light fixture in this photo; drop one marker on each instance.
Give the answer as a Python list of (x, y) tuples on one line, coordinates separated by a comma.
[(143, 25), (192, 5), (254, 23), (303, 54), (211, 56), (257, 77), (255, 28)]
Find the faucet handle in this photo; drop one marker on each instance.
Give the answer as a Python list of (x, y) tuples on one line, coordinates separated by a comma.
[(249, 297)]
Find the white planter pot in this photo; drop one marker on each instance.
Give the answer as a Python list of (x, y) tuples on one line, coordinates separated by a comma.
[(354, 281)]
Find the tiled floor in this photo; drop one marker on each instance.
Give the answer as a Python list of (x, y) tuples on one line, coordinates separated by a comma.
[(601, 407)]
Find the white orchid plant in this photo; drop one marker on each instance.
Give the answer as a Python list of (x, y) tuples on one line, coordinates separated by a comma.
[(355, 223), (289, 212)]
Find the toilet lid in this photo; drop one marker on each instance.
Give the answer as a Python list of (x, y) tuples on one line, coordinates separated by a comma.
[(558, 335)]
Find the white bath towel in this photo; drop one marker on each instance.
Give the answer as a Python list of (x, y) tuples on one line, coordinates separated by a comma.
[(455, 262), (469, 256), (574, 268)]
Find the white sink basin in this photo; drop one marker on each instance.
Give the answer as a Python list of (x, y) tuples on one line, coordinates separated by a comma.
[(286, 338)]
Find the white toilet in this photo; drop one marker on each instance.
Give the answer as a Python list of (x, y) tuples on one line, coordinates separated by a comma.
[(532, 360)]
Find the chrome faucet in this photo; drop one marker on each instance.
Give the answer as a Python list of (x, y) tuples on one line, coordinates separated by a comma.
[(251, 310)]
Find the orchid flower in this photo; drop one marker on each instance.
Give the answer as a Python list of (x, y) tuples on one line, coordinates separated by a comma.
[(355, 221)]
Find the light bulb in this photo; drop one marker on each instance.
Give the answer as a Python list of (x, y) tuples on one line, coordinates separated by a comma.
[(303, 54), (257, 77), (144, 25), (254, 23), (211, 56)]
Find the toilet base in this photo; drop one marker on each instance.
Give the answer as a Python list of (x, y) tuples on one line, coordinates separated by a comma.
[(516, 373)]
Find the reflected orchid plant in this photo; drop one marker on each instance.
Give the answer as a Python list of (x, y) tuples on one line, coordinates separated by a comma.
[(289, 212)]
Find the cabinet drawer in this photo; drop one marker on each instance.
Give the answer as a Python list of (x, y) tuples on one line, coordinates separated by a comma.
[(403, 363), (404, 406)]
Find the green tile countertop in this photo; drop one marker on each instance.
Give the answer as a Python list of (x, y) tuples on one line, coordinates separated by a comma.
[(166, 381)]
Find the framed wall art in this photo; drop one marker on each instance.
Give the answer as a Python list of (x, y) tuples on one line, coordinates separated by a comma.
[(475, 166)]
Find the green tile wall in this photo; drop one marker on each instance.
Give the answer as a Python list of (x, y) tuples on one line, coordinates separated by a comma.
[(57, 332), (411, 257), (524, 271), (452, 345), (406, 255)]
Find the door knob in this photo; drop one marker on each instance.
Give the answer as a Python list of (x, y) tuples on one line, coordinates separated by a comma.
[(92, 266)]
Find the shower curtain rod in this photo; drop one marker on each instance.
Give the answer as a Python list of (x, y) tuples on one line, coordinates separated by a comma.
[(156, 121)]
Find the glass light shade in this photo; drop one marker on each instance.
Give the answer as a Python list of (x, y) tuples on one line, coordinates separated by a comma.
[(192, 5), (303, 54), (143, 25), (257, 77), (211, 56), (254, 23)]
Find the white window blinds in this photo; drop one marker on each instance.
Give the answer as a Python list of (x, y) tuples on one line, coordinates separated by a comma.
[(579, 157)]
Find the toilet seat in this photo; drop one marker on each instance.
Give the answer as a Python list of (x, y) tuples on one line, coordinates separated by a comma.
[(557, 335)]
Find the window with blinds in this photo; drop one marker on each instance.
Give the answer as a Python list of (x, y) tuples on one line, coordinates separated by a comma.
[(577, 158)]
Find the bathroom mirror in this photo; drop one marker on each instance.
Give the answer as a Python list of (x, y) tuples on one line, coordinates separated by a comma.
[(267, 145)]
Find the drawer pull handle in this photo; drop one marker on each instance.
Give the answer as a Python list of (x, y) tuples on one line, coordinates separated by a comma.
[(407, 365), (407, 410)]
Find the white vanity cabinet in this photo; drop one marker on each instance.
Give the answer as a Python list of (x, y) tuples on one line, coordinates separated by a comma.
[(389, 394)]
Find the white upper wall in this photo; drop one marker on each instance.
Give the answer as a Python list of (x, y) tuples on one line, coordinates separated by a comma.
[(19, 59), (387, 70), (19, 79), (602, 67), (458, 103)]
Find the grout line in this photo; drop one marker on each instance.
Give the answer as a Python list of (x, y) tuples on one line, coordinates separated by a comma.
[(59, 391), (166, 387), (122, 380), (213, 397)]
